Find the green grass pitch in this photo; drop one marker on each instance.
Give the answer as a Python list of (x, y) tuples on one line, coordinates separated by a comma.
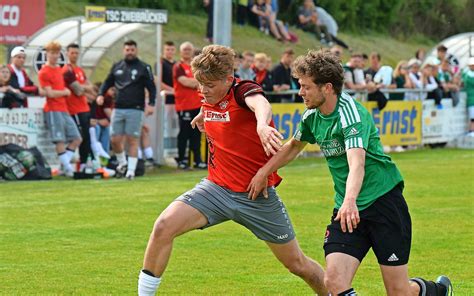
[(67, 237)]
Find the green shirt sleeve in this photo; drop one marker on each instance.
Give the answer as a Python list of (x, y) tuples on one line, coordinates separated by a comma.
[(304, 133), (356, 135)]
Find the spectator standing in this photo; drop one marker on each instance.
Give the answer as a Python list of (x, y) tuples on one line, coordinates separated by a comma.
[(400, 79), (245, 71), (130, 77), (19, 78), (468, 82), (77, 104), (430, 83), (282, 79), (63, 130), (188, 104), (167, 63)]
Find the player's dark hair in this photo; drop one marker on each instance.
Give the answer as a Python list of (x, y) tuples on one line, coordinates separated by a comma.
[(169, 43), (72, 45), (322, 66), (130, 43)]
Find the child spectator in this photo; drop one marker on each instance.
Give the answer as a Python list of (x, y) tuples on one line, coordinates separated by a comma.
[(262, 76)]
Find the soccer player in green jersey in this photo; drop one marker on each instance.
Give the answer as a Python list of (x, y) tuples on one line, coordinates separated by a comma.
[(370, 210)]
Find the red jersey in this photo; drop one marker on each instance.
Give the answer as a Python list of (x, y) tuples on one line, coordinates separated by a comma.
[(99, 110), (185, 98), (76, 104), (53, 77), (235, 149)]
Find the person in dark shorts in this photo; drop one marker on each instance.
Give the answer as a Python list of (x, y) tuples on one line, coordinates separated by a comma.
[(370, 210), (237, 119)]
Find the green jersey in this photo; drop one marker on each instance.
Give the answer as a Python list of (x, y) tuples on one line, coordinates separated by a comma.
[(468, 79), (350, 126)]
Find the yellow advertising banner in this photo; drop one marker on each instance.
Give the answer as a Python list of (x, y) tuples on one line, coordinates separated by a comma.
[(95, 13), (399, 123), (286, 118)]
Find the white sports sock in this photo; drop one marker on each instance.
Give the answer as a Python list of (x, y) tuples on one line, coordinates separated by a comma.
[(139, 153), (132, 164), (147, 284), (92, 134), (69, 154), (65, 161), (148, 152), (121, 158)]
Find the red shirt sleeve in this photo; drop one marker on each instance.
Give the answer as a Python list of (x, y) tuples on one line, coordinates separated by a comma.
[(178, 71), (244, 89)]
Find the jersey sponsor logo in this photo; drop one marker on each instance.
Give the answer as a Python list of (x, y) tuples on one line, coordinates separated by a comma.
[(331, 148), (216, 116)]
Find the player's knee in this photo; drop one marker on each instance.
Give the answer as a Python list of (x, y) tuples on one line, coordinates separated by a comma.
[(161, 230), (334, 282), (297, 266)]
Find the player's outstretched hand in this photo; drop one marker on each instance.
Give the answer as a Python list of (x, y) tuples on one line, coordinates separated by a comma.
[(270, 138), (258, 184), (198, 122), (348, 214)]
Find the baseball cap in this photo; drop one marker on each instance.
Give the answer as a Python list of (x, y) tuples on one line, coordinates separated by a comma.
[(470, 61), (17, 50)]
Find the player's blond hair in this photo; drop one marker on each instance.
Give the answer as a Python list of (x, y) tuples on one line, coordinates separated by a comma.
[(215, 62), (53, 46)]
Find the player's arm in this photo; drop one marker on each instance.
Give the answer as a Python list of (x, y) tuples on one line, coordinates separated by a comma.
[(348, 214), (52, 93), (287, 153), (269, 136)]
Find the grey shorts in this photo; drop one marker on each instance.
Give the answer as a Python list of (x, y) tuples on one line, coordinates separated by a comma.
[(127, 122), (62, 127), (266, 218)]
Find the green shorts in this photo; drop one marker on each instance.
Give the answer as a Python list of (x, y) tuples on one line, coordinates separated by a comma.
[(267, 218)]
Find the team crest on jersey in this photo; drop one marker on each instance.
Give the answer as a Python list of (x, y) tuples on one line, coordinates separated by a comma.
[(223, 104), (216, 116)]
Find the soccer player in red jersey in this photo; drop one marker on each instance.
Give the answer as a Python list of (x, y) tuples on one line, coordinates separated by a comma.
[(237, 119), (63, 130)]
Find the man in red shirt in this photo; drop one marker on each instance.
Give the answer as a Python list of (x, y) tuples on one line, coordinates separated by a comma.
[(187, 103), (63, 130), (237, 119), (77, 104)]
